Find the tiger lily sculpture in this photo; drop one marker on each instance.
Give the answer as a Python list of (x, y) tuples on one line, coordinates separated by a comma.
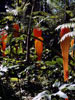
[(38, 44), (65, 45), (16, 32), (3, 41)]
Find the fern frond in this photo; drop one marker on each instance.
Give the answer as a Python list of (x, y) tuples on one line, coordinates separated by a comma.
[(69, 34)]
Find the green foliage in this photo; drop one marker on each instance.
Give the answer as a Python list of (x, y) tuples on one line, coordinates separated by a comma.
[(49, 71)]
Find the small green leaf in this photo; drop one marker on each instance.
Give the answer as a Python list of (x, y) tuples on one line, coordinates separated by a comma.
[(59, 61), (14, 79), (43, 67), (48, 63)]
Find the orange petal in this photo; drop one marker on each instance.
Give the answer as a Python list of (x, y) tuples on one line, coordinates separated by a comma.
[(37, 32)]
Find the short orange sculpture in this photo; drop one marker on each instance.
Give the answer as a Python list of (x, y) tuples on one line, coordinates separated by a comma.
[(38, 44), (16, 29), (16, 32), (3, 41)]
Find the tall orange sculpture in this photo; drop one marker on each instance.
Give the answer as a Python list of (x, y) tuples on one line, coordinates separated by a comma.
[(65, 45), (39, 48)]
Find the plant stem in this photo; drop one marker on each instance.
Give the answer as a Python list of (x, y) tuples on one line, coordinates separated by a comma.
[(28, 36)]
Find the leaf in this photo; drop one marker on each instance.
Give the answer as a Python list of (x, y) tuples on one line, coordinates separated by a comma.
[(40, 13), (70, 13), (43, 67), (1, 74), (61, 94), (59, 61), (14, 79), (53, 17), (63, 86), (72, 19), (48, 63), (14, 66), (44, 29), (56, 84), (7, 51), (41, 95), (3, 69), (71, 87), (10, 18), (20, 50)]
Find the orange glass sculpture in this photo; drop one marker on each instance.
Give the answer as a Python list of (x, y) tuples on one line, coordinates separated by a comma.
[(3, 41), (38, 44), (16, 32), (39, 48), (65, 45)]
